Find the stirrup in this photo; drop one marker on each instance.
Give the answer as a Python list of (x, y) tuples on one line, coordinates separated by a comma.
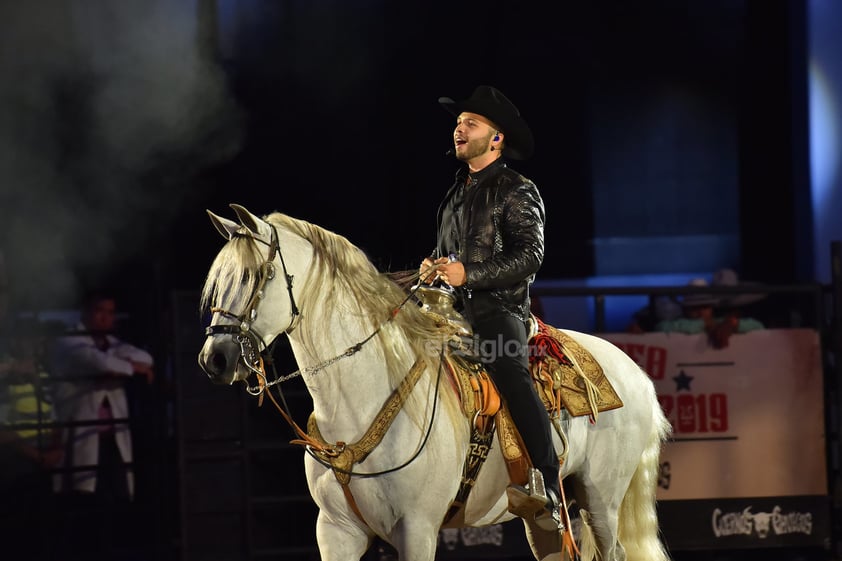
[(532, 502), (527, 501)]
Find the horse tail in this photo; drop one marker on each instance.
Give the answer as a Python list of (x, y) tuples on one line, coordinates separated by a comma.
[(638, 530)]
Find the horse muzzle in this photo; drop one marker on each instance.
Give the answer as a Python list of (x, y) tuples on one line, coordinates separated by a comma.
[(220, 359)]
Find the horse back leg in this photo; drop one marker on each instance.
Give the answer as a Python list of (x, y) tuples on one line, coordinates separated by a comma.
[(596, 527), (623, 525), (545, 545)]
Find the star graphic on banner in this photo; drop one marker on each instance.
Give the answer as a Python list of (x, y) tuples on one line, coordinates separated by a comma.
[(682, 381)]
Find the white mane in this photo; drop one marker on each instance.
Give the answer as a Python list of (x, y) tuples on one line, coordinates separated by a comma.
[(339, 270)]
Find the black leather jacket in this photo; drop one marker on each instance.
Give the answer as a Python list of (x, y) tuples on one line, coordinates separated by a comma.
[(499, 237)]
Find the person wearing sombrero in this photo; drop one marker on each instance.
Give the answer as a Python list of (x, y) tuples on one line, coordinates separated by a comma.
[(717, 315), (490, 246)]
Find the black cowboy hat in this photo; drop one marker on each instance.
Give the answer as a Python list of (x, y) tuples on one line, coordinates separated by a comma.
[(496, 107)]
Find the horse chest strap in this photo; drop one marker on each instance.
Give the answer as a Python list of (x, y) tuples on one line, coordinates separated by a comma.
[(342, 465), (342, 457)]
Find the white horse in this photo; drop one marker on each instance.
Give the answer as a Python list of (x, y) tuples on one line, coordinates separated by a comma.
[(356, 346)]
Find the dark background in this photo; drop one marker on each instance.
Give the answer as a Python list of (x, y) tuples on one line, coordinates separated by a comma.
[(671, 136), (671, 139)]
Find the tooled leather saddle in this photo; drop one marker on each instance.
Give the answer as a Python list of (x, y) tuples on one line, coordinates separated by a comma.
[(566, 376)]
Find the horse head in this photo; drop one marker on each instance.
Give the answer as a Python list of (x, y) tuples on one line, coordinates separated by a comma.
[(249, 294)]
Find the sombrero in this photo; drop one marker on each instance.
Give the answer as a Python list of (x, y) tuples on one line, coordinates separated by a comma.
[(728, 277), (722, 277), (700, 298), (496, 107)]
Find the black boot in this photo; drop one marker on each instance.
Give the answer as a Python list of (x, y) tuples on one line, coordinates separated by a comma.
[(549, 518), (535, 501)]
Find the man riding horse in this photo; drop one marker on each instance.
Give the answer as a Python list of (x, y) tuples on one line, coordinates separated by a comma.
[(490, 245)]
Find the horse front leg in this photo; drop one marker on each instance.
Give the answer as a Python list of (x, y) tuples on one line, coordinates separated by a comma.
[(414, 540), (339, 541)]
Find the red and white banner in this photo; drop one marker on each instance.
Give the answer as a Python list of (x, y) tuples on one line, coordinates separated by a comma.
[(748, 419)]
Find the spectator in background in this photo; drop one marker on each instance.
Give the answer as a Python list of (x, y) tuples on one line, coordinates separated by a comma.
[(29, 442), (26, 401), (717, 315), (660, 308), (92, 366)]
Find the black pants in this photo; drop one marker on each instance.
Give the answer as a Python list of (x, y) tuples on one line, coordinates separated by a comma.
[(112, 483), (502, 345), (100, 526)]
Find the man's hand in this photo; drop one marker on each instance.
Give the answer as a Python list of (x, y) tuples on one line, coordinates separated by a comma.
[(720, 334), (144, 370), (452, 273), (443, 269), (50, 457), (428, 271)]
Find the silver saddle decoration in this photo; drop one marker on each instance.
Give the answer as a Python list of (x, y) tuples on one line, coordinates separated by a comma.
[(438, 302)]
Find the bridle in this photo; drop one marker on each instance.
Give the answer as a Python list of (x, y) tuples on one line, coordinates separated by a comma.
[(253, 348), (252, 344)]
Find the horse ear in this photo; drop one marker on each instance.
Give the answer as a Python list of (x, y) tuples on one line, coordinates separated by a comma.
[(224, 226), (247, 219)]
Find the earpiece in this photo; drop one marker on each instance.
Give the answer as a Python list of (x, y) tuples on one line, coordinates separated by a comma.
[(496, 137)]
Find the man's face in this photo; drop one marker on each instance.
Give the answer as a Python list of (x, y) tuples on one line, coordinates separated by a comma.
[(472, 136), (698, 312), (101, 316)]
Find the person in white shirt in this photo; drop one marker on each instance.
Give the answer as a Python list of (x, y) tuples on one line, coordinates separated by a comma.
[(91, 367)]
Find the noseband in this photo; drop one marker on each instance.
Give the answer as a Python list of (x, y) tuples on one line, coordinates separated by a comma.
[(251, 343)]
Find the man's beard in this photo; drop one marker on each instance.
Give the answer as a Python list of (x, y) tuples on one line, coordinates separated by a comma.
[(474, 148)]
